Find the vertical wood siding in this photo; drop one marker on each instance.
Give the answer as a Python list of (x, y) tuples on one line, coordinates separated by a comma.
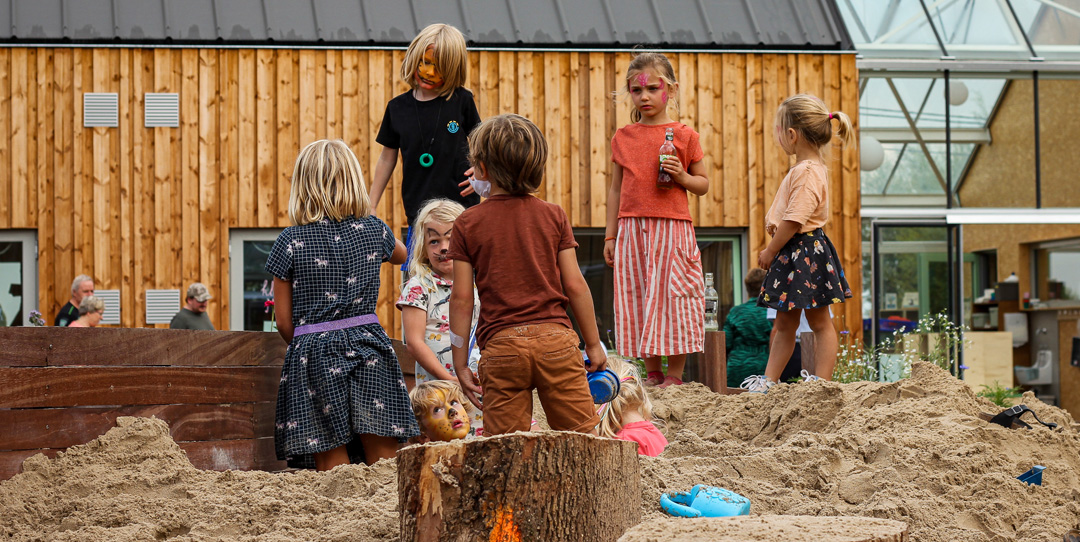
[(142, 208)]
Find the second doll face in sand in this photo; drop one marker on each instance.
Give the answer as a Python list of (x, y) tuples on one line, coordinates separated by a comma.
[(445, 421), (437, 237), (427, 73)]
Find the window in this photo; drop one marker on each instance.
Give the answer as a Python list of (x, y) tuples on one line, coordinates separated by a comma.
[(248, 251), (18, 277), (721, 255), (1057, 270)]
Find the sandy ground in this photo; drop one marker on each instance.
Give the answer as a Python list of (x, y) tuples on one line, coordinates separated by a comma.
[(913, 451)]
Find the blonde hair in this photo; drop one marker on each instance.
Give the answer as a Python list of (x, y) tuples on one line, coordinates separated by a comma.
[(659, 63), (632, 396), (437, 210), (451, 57), (327, 183), (426, 395), (91, 304), (808, 115), (513, 150)]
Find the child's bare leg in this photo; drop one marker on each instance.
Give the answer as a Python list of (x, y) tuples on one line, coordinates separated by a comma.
[(783, 343), (675, 365), (824, 340), (652, 364), (331, 458), (377, 447)]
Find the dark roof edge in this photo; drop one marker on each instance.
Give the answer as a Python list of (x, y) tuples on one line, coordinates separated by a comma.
[(843, 48), (837, 20)]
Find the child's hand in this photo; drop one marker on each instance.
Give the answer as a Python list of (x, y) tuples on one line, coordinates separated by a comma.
[(470, 387), (674, 167), (468, 189), (597, 358), (765, 258), (609, 253)]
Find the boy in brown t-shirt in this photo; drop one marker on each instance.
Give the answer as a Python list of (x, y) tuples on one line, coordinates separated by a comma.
[(522, 251)]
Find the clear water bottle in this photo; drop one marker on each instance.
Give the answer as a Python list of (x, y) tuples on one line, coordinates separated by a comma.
[(667, 150), (712, 304)]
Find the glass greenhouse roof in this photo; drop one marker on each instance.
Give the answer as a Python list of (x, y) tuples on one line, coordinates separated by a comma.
[(965, 29), (905, 112)]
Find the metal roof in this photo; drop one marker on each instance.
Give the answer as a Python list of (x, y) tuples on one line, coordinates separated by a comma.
[(691, 24)]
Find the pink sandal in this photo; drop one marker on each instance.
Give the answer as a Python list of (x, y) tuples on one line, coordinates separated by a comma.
[(670, 381), (654, 378)]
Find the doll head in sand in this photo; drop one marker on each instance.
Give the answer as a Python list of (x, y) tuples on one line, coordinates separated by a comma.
[(441, 410)]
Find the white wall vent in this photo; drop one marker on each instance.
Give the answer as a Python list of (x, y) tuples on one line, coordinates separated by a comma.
[(161, 306), (112, 306), (162, 110), (101, 109)]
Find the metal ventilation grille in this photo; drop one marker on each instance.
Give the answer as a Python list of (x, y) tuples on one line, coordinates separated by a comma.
[(161, 306), (162, 110), (112, 306), (101, 109)]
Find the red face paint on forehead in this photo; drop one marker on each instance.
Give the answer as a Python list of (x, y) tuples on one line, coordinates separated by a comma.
[(643, 79)]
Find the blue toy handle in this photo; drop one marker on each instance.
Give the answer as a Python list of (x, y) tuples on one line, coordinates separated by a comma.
[(676, 505)]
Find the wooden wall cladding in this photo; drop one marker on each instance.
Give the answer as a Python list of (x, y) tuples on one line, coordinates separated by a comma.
[(141, 208), (216, 389)]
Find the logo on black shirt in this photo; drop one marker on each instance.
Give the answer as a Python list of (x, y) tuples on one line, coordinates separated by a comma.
[(453, 127)]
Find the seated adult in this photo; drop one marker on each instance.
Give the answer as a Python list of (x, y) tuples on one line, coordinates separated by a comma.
[(82, 286), (193, 314), (91, 310), (746, 331)]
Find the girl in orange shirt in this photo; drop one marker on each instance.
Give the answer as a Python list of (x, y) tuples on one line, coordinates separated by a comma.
[(804, 272), (650, 240)]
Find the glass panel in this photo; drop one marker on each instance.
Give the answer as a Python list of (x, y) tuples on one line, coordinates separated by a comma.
[(1052, 27), (256, 315), (1058, 271), (11, 284), (914, 277)]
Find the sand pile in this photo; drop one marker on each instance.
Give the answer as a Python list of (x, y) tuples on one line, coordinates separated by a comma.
[(912, 451)]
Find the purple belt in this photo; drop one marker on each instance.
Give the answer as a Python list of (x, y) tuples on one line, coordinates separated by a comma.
[(336, 324)]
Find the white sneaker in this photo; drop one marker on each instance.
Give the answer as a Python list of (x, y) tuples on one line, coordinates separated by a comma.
[(757, 384), (807, 377)]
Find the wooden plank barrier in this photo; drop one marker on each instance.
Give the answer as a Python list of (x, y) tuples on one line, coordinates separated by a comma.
[(217, 390)]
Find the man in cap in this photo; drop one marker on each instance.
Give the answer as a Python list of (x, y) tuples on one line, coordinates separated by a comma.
[(193, 314)]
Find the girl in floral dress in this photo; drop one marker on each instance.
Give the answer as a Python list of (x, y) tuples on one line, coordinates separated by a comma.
[(425, 297), (341, 383)]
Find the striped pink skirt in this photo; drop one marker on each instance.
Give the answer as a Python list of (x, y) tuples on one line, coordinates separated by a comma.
[(659, 288)]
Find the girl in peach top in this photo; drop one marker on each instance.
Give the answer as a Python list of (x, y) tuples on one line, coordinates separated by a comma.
[(804, 272)]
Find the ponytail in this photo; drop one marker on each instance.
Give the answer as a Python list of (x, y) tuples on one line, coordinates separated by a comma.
[(844, 130)]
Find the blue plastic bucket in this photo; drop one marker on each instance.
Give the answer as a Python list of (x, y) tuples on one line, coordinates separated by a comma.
[(604, 386)]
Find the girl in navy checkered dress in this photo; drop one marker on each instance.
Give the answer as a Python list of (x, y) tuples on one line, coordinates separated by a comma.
[(341, 380)]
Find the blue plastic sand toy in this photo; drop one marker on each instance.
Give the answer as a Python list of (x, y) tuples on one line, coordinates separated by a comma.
[(603, 385), (1033, 476), (705, 501)]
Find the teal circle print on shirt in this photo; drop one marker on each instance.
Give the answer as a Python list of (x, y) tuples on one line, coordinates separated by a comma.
[(453, 127)]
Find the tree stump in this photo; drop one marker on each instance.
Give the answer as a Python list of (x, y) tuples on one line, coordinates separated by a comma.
[(771, 528), (548, 486)]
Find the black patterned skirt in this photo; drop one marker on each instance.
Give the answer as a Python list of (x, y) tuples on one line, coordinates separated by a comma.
[(806, 274)]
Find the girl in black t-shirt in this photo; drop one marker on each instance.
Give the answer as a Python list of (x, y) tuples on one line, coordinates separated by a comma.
[(429, 124)]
